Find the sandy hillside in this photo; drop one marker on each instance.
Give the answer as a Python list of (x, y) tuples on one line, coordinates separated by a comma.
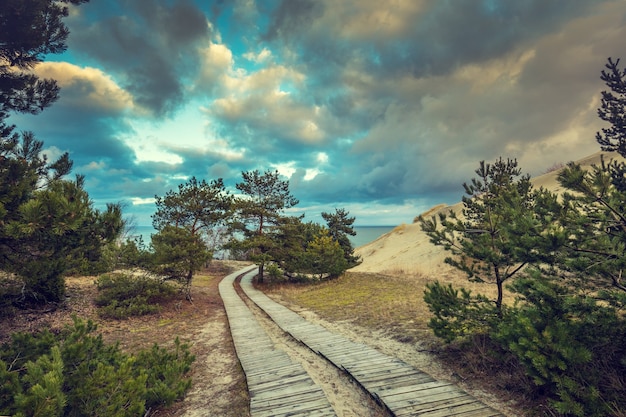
[(406, 249)]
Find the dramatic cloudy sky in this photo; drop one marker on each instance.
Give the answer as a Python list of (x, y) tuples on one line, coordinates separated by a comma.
[(383, 107)]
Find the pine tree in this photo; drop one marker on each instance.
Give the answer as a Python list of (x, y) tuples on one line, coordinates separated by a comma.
[(325, 256), (29, 30), (178, 254), (501, 231), (56, 228), (613, 109), (46, 223), (198, 206), (340, 227), (264, 199)]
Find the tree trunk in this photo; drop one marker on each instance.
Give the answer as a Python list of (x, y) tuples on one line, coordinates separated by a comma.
[(188, 286), (261, 268), (499, 284)]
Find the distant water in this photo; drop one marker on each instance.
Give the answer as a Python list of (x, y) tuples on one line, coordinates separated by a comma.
[(144, 231), (364, 234), (367, 234)]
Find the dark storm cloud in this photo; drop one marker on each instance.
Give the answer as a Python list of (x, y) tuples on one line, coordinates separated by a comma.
[(150, 45), (456, 33), (428, 138), (107, 163), (362, 102), (444, 35)]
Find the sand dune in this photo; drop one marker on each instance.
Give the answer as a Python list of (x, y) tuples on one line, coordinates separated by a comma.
[(407, 250)]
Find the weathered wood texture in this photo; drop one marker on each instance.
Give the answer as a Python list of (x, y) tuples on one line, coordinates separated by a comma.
[(404, 390), (277, 385)]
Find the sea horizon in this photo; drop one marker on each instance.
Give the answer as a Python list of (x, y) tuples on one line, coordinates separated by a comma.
[(364, 233)]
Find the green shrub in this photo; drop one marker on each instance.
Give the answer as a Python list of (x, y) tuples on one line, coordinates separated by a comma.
[(166, 372), (42, 394), (76, 374), (458, 315), (573, 346), (121, 295), (274, 272), (117, 389), (10, 388)]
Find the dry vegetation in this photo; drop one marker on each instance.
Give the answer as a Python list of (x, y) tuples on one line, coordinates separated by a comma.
[(392, 302), (381, 302)]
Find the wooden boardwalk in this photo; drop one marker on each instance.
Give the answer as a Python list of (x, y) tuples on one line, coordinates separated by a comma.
[(404, 390), (277, 385)]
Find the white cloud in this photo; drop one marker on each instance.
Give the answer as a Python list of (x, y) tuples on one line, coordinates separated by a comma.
[(52, 153), (136, 201), (263, 56), (217, 62), (222, 150), (311, 173), (322, 157), (286, 169), (148, 149), (87, 86), (268, 101)]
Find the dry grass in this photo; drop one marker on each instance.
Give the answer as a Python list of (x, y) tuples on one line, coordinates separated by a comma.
[(391, 302), (384, 302)]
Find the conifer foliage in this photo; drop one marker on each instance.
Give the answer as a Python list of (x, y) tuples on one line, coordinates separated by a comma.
[(499, 233), (29, 30), (185, 219), (613, 109), (47, 223), (260, 209), (76, 374), (564, 260), (340, 227)]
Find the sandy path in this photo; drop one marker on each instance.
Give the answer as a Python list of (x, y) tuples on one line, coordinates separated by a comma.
[(218, 383)]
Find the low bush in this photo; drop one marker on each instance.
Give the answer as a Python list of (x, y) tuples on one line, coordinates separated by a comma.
[(456, 315), (568, 350), (76, 374), (166, 370), (572, 346), (122, 295), (274, 272)]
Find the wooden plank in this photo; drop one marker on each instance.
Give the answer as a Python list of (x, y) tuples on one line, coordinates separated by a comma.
[(382, 375), (277, 385), (376, 362), (399, 382), (299, 400), (425, 386), (460, 410), (354, 353), (309, 409), (404, 389), (277, 371), (269, 359), (365, 368), (430, 402), (285, 390)]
